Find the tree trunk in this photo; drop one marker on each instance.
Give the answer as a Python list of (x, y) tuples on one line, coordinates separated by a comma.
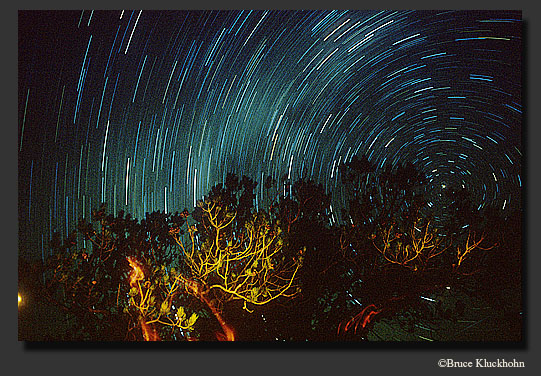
[(228, 331), (149, 332)]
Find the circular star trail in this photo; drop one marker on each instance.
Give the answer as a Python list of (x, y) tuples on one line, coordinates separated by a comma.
[(147, 110)]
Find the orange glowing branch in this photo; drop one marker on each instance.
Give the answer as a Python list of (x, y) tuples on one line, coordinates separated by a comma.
[(470, 245), (145, 301), (235, 263), (363, 318), (243, 264), (244, 290), (228, 332), (136, 274), (400, 255), (368, 318), (413, 249), (149, 332)]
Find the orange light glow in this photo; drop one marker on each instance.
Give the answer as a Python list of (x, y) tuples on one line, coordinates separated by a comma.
[(228, 334), (20, 299), (136, 274), (149, 333), (363, 318), (228, 331), (368, 318)]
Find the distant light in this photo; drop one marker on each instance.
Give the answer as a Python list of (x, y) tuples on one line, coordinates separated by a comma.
[(20, 299), (443, 186)]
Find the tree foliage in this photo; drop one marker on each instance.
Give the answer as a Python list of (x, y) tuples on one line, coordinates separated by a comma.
[(288, 271)]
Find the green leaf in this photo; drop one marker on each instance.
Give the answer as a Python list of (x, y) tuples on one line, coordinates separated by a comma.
[(192, 319), (181, 314), (165, 308)]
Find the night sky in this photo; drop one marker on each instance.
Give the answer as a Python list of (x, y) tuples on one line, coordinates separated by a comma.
[(147, 110)]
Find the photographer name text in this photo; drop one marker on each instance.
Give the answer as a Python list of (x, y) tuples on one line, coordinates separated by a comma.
[(481, 363)]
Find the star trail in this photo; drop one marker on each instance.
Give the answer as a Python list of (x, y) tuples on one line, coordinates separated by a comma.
[(147, 110)]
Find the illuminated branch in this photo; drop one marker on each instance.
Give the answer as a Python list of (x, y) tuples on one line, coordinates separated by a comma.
[(470, 245), (142, 297), (414, 250), (400, 254), (236, 264)]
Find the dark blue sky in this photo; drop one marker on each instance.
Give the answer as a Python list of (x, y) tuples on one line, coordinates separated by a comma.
[(147, 110)]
